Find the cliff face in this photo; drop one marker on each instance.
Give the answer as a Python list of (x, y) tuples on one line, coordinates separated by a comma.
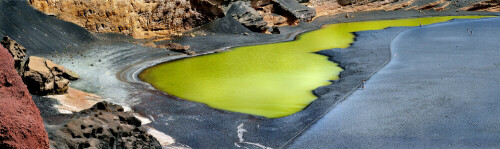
[(21, 125), (139, 18)]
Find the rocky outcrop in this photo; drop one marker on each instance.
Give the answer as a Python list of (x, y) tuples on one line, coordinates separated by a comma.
[(294, 9), (165, 18), (20, 123), (138, 18), (17, 51), (176, 47), (44, 77), (247, 16), (104, 125)]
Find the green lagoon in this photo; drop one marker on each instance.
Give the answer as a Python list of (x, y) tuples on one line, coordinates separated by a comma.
[(270, 80)]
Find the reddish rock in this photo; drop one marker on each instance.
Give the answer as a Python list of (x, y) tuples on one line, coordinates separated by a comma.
[(21, 125)]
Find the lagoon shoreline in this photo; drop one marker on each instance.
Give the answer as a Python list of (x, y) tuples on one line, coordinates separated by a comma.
[(366, 55)]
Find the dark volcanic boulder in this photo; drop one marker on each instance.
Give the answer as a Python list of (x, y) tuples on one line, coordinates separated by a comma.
[(294, 9), (105, 125), (16, 50), (247, 16), (21, 125), (44, 77), (211, 9)]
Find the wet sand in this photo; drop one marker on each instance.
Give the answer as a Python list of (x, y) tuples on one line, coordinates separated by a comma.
[(74, 101), (440, 90)]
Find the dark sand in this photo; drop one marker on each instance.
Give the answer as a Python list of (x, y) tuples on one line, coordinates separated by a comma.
[(108, 65), (439, 91)]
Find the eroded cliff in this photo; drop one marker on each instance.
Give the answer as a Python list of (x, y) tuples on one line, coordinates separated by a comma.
[(138, 18)]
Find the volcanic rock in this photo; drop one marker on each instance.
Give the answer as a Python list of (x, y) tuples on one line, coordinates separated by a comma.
[(104, 125), (21, 125), (177, 48), (44, 77), (274, 30), (247, 16), (294, 9), (17, 51)]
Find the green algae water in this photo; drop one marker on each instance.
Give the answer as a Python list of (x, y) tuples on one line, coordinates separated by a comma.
[(270, 80)]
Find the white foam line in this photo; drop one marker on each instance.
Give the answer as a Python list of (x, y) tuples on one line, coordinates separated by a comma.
[(161, 137), (126, 108), (143, 119), (64, 111), (240, 131)]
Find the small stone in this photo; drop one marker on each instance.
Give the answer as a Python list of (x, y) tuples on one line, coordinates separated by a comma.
[(191, 52)]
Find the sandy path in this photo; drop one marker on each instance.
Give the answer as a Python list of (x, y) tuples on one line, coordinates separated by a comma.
[(440, 90)]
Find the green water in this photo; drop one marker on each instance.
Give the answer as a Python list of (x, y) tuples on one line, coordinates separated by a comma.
[(270, 80)]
